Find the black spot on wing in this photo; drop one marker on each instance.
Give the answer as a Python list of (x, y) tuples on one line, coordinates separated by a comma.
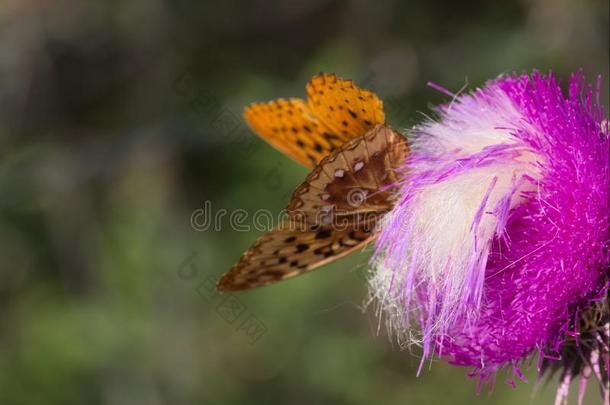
[(301, 247)]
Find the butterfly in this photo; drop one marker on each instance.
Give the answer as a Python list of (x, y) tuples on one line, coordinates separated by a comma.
[(339, 133)]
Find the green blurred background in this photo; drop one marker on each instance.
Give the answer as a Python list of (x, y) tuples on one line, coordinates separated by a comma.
[(119, 119)]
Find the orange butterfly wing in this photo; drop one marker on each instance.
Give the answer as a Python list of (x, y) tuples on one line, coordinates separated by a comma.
[(345, 108), (336, 111)]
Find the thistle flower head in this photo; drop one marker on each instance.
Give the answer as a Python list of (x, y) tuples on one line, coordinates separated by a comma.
[(501, 234)]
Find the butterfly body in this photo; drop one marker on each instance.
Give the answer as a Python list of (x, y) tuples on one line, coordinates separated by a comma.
[(355, 158)]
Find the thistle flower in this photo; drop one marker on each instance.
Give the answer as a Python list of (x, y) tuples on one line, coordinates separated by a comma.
[(501, 236)]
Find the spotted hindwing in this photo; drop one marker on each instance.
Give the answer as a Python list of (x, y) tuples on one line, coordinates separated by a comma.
[(353, 183), (313, 235), (291, 250)]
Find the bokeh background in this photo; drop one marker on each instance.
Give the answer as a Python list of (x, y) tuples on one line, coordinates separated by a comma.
[(119, 119)]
